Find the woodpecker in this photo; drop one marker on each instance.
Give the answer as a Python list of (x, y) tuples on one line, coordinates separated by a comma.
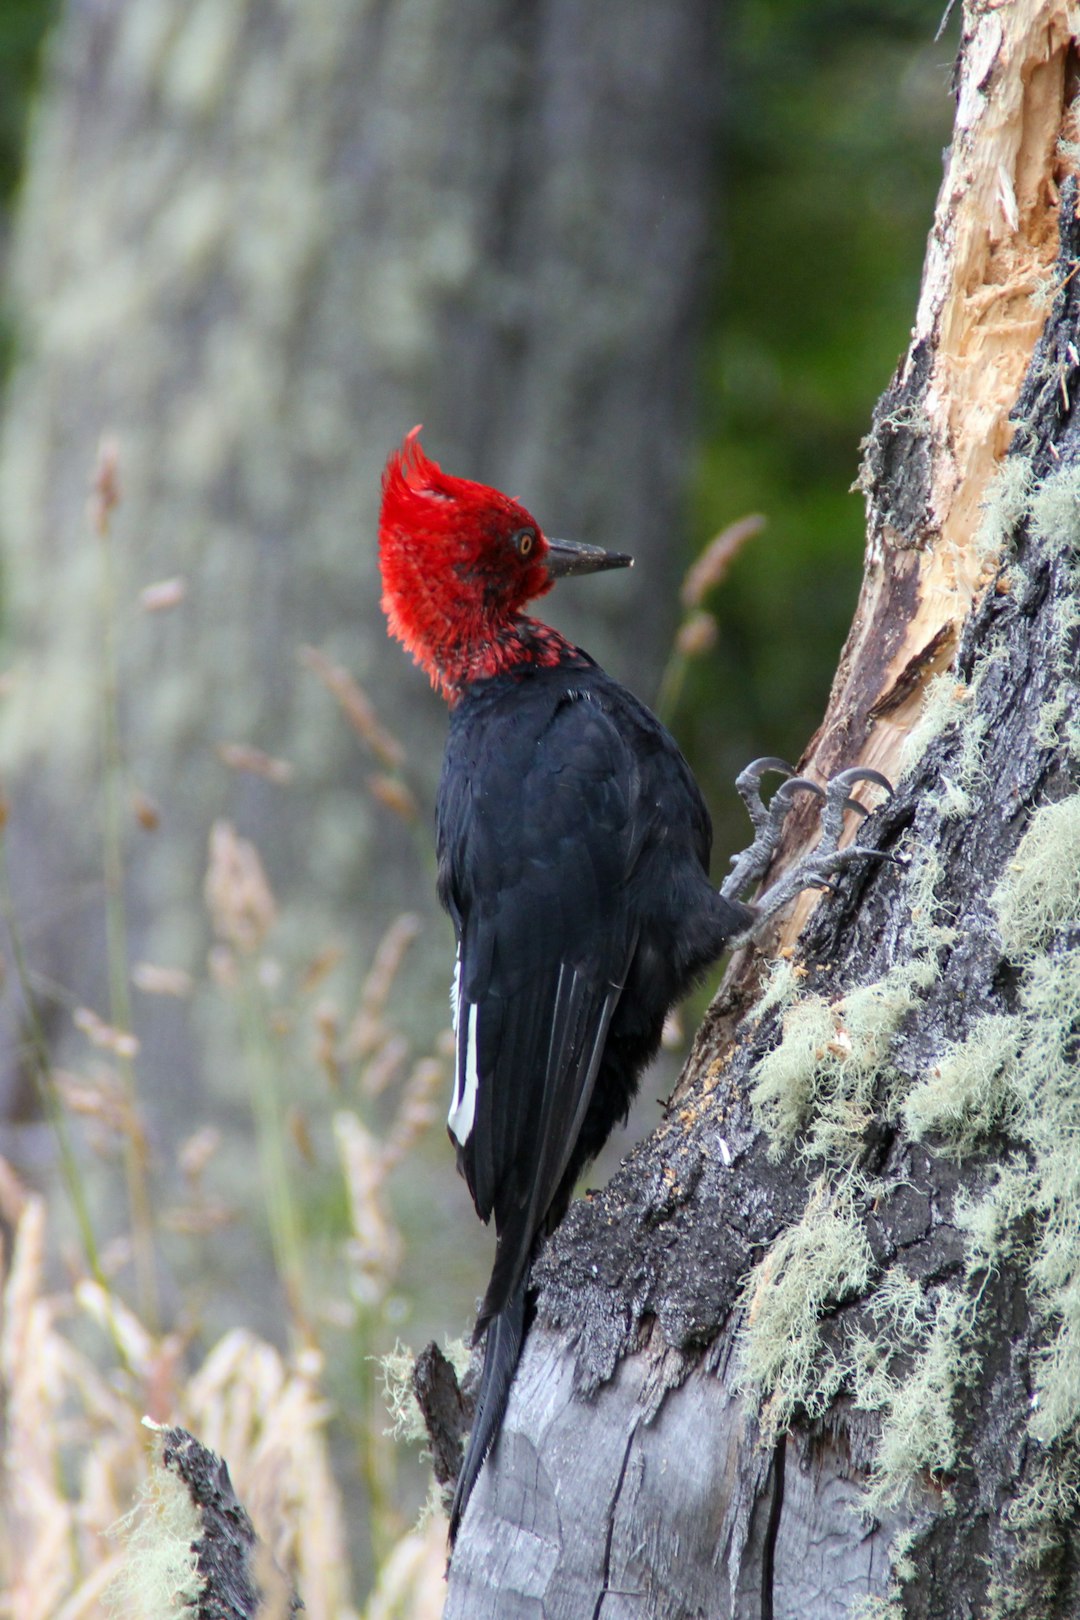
[(573, 859)]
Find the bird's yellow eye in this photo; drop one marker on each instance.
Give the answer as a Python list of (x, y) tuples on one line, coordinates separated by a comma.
[(524, 540)]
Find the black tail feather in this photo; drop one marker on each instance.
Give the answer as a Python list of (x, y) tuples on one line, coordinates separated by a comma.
[(502, 1348)]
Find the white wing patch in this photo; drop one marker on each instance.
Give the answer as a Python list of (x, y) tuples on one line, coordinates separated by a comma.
[(455, 989), (463, 1109)]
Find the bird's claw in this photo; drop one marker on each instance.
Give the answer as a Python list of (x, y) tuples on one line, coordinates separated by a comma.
[(861, 773), (751, 774), (768, 819), (748, 787), (787, 791), (825, 862)]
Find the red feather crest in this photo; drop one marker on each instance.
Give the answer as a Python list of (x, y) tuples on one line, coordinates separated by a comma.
[(454, 580)]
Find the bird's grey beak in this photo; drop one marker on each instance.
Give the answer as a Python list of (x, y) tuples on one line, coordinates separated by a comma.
[(570, 557)]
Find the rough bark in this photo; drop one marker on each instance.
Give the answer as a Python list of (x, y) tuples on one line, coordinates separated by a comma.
[(234, 1575), (814, 1351)]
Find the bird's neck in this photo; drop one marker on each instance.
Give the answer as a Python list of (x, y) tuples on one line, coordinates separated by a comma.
[(520, 641)]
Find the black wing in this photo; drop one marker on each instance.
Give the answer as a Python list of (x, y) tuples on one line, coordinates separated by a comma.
[(538, 840)]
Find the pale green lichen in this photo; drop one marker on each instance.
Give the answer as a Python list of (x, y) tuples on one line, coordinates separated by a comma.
[(941, 701), (906, 1353), (929, 930), (908, 1369), (160, 1575), (785, 1081), (918, 1435), (1055, 510), (858, 1078), (1034, 1053), (903, 1568), (1040, 891), (1055, 519), (407, 1424), (1006, 504), (991, 1217), (833, 1066), (1051, 997), (877, 1608), (968, 1092), (1041, 1519), (781, 986), (817, 1264), (901, 1552), (1053, 713), (898, 1309), (820, 1261), (948, 703), (1018, 1069)]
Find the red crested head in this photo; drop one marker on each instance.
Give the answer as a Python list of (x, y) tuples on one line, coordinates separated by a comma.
[(459, 562)]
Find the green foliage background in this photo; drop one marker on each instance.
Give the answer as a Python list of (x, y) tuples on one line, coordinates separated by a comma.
[(831, 158), (23, 24), (22, 29)]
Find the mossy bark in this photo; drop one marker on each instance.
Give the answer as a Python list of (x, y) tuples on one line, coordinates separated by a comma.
[(815, 1350)]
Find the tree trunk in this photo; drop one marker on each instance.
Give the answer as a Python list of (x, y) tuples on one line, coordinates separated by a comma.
[(815, 1351), (257, 244)]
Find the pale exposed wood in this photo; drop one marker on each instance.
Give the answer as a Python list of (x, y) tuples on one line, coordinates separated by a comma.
[(981, 309)]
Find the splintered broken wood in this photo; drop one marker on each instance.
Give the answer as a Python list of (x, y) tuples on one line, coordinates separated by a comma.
[(237, 1577), (630, 1479), (942, 429)]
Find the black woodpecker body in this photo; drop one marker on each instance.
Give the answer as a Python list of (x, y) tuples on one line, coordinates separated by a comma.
[(573, 850)]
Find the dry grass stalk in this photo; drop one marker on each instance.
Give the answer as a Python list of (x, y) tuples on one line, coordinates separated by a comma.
[(368, 1028), (147, 811), (76, 1453), (105, 489), (392, 793), (120, 1042), (154, 980), (105, 1103), (321, 965), (385, 1065), (196, 1152), (418, 1108), (327, 1032), (79, 1367), (697, 634), (72, 1453), (238, 896), (163, 595), (242, 757), (411, 1583), (374, 1248), (356, 706), (268, 1418), (711, 567)]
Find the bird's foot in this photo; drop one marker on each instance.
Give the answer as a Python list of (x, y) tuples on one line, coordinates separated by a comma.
[(823, 863), (768, 820)]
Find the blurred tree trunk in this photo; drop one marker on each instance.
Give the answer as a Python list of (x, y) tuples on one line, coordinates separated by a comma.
[(815, 1351), (256, 245)]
